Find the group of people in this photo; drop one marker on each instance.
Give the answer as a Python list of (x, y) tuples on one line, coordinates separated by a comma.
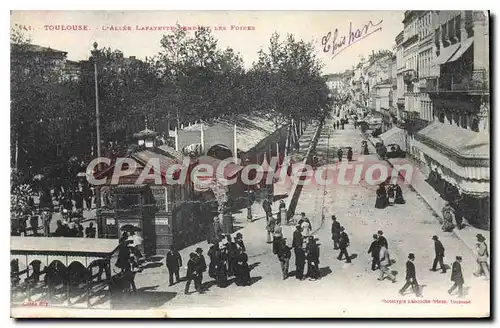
[(382, 261), (337, 125), (340, 154), (306, 251), (74, 229), (393, 194), (228, 258)]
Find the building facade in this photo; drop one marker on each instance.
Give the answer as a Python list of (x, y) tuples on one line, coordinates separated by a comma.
[(400, 84), (410, 46), (454, 148), (426, 57)]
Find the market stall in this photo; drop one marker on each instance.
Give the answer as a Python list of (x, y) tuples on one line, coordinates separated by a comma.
[(62, 271)]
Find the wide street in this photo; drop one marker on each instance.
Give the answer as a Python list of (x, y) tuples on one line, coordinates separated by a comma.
[(345, 289)]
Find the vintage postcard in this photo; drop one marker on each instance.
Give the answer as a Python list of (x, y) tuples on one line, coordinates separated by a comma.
[(250, 164)]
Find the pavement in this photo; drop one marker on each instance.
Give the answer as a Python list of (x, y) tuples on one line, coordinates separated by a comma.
[(345, 289), (436, 203)]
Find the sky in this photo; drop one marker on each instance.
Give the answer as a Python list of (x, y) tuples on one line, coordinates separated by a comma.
[(307, 25)]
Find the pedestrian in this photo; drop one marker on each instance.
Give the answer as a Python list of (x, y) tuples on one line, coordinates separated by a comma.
[(201, 266), (385, 262), (399, 195), (300, 262), (192, 273), (306, 228), (282, 215), (239, 241), (340, 154), (87, 195), (217, 231), (80, 230), (270, 229), (174, 262), (266, 205), (448, 213), (232, 249), (220, 265), (136, 243), (391, 194), (34, 224), (343, 244), (312, 255), (90, 231), (243, 270), (349, 154), (439, 250), (302, 218), (457, 277), (335, 232), (284, 255), (374, 250), (277, 237), (381, 201), (212, 255), (382, 240), (482, 257), (411, 277)]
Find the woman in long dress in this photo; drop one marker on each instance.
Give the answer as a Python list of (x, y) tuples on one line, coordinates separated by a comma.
[(381, 201), (242, 269), (399, 195)]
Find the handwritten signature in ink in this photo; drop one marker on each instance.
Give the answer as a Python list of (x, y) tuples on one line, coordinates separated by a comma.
[(339, 44)]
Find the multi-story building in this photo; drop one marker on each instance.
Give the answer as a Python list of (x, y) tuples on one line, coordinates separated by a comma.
[(410, 46), (426, 56), (454, 148), (400, 84), (335, 82)]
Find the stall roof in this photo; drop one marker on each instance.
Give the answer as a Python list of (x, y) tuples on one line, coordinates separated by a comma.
[(230, 170), (62, 245)]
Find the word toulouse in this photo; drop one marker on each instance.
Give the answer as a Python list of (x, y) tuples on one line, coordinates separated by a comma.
[(343, 173)]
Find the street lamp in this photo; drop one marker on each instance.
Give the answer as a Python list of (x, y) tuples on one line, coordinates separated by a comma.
[(249, 198), (95, 56)]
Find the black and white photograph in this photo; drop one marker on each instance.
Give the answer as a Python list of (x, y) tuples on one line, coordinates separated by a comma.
[(250, 164)]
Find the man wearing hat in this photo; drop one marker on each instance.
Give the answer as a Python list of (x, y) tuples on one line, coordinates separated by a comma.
[(343, 244), (457, 277), (482, 257), (192, 273), (202, 266), (411, 276), (439, 250), (239, 241), (335, 232)]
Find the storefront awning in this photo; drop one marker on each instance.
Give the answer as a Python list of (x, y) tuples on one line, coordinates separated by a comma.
[(463, 48), (446, 53), (394, 136)]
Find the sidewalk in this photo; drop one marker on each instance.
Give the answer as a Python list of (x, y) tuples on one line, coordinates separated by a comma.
[(468, 234)]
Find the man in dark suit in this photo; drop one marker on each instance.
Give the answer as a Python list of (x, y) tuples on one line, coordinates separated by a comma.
[(202, 266), (381, 239), (439, 249), (411, 276), (174, 262), (335, 232), (374, 250), (457, 277), (193, 273), (343, 244)]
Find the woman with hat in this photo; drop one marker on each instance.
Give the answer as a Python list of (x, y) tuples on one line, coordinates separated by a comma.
[(312, 251), (242, 268), (277, 237), (271, 223), (239, 241), (220, 264), (482, 257)]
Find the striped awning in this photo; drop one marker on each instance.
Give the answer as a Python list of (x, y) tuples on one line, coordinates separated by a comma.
[(446, 53)]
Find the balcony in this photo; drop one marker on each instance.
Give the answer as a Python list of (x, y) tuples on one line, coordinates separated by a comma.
[(409, 75), (473, 85)]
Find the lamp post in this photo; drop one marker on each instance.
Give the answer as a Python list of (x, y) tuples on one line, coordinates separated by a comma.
[(249, 199), (95, 55)]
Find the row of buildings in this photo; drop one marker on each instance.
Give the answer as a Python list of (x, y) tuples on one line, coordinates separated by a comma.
[(432, 95)]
